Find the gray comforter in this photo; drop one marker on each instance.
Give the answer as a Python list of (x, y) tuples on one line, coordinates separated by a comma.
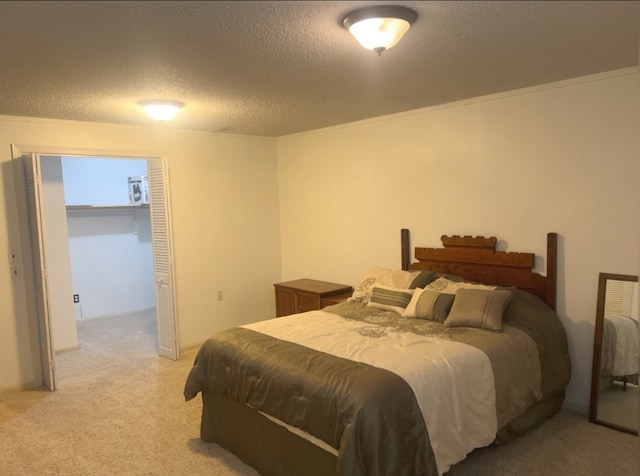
[(370, 415)]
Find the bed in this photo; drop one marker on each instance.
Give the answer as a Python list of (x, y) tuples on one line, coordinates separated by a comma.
[(620, 349), (454, 351)]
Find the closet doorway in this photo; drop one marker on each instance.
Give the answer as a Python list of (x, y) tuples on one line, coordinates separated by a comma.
[(43, 204)]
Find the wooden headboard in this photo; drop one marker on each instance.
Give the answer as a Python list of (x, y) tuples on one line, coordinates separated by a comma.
[(475, 259)]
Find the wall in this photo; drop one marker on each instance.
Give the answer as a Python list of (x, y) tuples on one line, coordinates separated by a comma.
[(111, 261), (561, 157), (99, 181), (224, 208), (111, 252), (518, 165)]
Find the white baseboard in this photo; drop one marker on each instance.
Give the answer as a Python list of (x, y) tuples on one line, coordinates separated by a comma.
[(21, 387), (67, 349), (576, 407), (123, 314), (189, 347)]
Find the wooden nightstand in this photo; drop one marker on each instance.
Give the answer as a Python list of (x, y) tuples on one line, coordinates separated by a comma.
[(303, 295)]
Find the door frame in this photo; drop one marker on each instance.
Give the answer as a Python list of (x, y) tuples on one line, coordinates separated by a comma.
[(39, 150)]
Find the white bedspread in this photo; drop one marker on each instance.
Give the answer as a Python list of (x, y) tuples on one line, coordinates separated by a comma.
[(453, 382), (627, 344)]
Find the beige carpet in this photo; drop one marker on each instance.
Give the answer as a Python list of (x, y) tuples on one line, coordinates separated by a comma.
[(618, 406), (119, 410)]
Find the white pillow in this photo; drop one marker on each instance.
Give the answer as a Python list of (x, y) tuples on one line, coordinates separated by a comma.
[(391, 299), (444, 285), (395, 278)]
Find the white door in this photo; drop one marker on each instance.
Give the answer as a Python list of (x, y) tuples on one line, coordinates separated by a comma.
[(162, 259), (33, 186)]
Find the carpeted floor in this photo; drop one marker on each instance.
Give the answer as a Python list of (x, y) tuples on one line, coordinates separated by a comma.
[(618, 406), (120, 410)]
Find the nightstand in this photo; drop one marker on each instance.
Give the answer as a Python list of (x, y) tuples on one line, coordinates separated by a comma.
[(303, 295)]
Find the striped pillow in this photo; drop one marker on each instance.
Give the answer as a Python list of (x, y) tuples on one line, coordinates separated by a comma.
[(428, 304), (391, 299), (395, 278)]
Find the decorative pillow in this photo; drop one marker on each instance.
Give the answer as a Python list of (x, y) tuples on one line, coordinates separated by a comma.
[(397, 279), (391, 299), (478, 308), (422, 279), (428, 304), (448, 286)]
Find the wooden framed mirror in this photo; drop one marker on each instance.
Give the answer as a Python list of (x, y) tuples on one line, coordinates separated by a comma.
[(614, 379)]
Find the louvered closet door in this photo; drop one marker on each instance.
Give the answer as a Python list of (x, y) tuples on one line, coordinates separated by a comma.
[(620, 297), (162, 260), (33, 186)]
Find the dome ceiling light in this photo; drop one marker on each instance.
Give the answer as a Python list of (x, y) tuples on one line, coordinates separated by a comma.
[(160, 109), (378, 28)]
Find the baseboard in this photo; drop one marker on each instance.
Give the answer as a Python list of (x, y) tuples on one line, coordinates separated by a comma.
[(68, 349), (123, 314), (191, 347), (20, 388), (576, 407)]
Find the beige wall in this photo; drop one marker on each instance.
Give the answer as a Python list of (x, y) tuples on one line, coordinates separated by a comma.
[(563, 158), (224, 207)]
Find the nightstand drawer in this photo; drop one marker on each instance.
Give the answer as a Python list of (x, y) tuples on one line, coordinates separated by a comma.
[(331, 300), (303, 295)]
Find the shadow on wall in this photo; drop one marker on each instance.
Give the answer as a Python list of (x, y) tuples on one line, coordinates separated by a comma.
[(22, 302)]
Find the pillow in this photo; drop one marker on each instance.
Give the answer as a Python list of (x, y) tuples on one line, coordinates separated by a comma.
[(448, 286), (391, 299), (422, 279), (428, 304), (398, 279), (478, 308)]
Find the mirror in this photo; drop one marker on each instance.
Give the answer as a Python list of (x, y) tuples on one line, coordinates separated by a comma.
[(614, 378)]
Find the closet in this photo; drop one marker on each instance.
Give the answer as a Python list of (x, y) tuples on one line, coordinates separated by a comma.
[(67, 229)]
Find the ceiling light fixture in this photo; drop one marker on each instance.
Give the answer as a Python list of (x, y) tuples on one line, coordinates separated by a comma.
[(378, 28), (161, 110)]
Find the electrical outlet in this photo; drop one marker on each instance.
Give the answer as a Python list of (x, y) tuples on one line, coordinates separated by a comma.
[(13, 256), (15, 273), (220, 295), (76, 298)]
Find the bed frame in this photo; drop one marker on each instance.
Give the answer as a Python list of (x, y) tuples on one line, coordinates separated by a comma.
[(273, 450), (475, 259)]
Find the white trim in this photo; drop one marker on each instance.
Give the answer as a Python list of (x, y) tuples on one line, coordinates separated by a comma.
[(576, 407), (631, 71), (190, 347), (90, 152), (122, 314), (163, 129), (67, 349), (19, 388)]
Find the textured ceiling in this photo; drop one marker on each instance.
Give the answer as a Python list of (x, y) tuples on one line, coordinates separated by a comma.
[(275, 68)]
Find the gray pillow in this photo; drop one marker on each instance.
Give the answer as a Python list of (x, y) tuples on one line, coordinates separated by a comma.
[(424, 278), (428, 304), (478, 308)]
